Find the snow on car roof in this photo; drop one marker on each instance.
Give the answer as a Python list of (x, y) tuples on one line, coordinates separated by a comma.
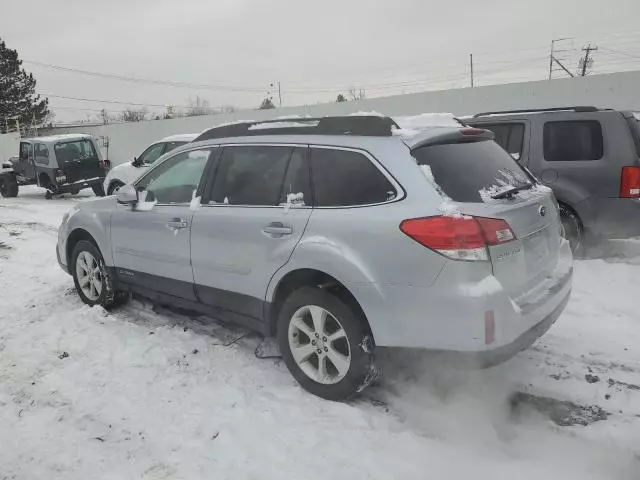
[(58, 138), (181, 137)]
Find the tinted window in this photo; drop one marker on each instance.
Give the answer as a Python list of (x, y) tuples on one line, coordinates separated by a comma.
[(151, 154), (297, 180), (347, 178), (251, 175), (463, 170), (76, 150), (509, 136), (25, 151), (176, 180), (572, 141)]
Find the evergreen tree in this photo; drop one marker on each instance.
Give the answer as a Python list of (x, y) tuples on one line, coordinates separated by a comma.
[(266, 104), (18, 100), (341, 98)]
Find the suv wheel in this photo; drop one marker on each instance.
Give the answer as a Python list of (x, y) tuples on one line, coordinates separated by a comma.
[(91, 277), (325, 345), (572, 227), (8, 186)]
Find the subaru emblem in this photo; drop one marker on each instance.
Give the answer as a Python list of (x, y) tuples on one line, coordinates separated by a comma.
[(542, 210)]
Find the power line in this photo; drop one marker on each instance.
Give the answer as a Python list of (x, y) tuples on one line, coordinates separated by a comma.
[(117, 102), (619, 52)]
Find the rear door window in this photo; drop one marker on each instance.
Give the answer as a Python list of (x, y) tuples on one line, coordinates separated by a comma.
[(464, 170), (251, 175), (509, 136), (297, 183), (345, 178), (572, 141), (41, 153)]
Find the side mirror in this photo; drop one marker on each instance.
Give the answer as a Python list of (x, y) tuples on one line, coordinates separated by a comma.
[(127, 195), (136, 162)]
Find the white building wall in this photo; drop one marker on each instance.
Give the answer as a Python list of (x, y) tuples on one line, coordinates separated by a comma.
[(617, 90), (9, 145)]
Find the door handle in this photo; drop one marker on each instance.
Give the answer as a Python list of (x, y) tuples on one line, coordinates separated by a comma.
[(177, 224), (277, 228)]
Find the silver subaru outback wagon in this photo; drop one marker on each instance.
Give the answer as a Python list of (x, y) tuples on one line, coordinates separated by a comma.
[(337, 236)]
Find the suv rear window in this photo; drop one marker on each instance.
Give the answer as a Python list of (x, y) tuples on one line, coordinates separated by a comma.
[(463, 170), (572, 141)]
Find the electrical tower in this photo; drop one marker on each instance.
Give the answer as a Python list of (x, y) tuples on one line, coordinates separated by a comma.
[(586, 62), (559, 46)]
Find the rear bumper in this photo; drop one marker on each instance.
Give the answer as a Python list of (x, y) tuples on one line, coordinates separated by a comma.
[(78, 185), (450, 315), (615, 218)]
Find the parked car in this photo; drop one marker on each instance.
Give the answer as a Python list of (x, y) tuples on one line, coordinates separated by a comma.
[(59, 163), (129, 171), (590, 157), (337, 237)]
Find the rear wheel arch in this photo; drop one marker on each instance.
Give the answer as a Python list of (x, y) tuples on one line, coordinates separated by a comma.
[(308, 277)]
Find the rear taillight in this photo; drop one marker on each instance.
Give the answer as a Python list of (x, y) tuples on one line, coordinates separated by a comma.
[(630, 182), (105, 164), (459, 238)]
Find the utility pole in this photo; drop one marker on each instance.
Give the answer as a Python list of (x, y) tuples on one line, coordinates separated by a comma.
[(586, 62), (279, 93), (471, 64)]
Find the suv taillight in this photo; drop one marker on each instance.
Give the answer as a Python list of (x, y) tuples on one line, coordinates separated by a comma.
[(459, 238), (105, 164), (630, 182)]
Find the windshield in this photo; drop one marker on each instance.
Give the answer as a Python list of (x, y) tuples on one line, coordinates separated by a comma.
[(466, 171), (76, 150)]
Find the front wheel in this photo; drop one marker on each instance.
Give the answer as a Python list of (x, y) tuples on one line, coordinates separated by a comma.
[(98, 190), (8, 186), (91, 278), (325, 344)]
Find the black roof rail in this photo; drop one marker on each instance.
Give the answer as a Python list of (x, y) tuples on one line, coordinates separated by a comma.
[(534, 110), (366, 125)]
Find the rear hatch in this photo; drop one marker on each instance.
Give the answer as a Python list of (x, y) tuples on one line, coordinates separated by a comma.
[(517, 217), (79, 160)]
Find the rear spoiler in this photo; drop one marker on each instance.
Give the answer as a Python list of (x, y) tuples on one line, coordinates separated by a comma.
[(462, 135)]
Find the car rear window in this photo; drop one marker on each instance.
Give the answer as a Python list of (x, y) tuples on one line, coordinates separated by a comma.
[(634, 125), (463, 170), (74, 150)]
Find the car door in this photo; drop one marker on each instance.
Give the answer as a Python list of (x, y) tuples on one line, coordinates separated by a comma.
[(246, 230), (150, 242), (27, 162)]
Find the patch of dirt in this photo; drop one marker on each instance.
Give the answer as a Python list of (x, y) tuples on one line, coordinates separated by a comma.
[(561, 412)]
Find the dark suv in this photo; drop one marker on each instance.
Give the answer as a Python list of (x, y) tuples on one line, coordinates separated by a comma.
[(590, 157)]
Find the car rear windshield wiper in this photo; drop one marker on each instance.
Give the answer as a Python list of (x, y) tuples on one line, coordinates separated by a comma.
[(511, 191)]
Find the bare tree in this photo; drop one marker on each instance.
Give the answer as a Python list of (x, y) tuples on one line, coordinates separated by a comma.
[(199, 107), (105, 117), (356, 94), (341, 98), (131, 115)]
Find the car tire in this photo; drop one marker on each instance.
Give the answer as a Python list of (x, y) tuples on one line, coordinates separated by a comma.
[(114, 187), (91, 278), (8, 186), (332, 359), (98, 190), (572, 228)]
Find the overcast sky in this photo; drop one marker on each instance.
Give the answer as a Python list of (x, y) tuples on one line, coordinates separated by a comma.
[(315, 49)]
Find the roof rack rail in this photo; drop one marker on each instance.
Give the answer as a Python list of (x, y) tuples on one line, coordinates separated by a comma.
[(366, 125), (534, 110)]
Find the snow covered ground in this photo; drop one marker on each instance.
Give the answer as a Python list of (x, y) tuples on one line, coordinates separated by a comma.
[(147, 393)]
